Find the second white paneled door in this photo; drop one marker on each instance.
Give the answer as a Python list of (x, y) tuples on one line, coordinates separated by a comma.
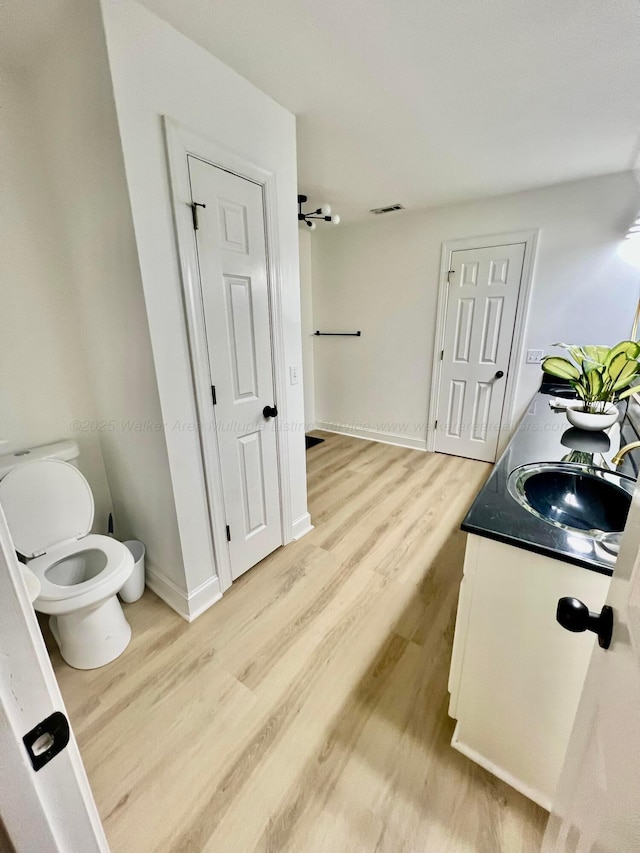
[(482, 298), (232, 256)]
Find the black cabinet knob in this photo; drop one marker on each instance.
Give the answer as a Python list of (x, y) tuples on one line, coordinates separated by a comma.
[(270, 412), (499, 374), (575, 616)]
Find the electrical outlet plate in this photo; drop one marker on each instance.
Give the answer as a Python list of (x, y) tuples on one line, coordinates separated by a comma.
[(535, 356), (294, 374)]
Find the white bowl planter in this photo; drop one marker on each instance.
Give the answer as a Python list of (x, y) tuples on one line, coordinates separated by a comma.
[(593, 423)]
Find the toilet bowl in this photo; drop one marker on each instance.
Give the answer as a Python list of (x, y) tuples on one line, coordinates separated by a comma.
[(49, 509)]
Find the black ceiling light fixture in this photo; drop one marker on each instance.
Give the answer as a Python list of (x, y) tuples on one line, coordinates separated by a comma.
[(323, 213)]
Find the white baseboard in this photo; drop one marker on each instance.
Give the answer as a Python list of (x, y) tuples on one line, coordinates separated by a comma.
[(372, 435), (203, 597), (188, 605), (301, 526)]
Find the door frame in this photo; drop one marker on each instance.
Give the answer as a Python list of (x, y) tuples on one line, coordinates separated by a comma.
[(180, 144), (530, 238)]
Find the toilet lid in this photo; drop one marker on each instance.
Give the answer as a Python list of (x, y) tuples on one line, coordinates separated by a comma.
[(46, 502)]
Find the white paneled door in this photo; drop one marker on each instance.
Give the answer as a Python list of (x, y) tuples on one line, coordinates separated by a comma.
[(596, 808), (232, 255), (482, 298), (46, 803)]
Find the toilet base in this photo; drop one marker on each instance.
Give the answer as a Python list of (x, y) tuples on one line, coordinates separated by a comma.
[(93, 636)]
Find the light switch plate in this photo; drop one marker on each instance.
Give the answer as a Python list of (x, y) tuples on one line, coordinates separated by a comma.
[(535, 356), (294, 374)]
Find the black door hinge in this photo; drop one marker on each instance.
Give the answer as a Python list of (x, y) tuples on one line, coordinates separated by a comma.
[(228, 533), (194, 213), (449, 274), (435, 426), (441, 354), (213, 394), (47, 739)]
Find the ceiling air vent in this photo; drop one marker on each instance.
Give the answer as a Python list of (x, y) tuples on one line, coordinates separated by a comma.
[(388, 209)]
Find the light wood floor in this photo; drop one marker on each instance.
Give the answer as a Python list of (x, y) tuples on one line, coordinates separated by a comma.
[(306, 712)]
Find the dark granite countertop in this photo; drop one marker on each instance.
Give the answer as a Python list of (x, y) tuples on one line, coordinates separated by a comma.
[(545, 435)]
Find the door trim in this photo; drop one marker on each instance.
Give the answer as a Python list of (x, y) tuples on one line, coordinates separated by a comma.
[(530, 238), (181, 143)]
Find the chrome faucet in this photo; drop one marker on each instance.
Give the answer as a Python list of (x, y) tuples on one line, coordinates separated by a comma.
[(617, 459)]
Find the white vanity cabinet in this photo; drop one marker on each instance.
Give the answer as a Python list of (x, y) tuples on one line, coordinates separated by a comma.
[(516, 675)]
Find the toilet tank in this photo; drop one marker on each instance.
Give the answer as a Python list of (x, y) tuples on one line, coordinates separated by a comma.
[(67, 451)]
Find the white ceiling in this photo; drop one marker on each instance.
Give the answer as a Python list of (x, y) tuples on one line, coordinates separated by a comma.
[(422, 102), (426, 102)]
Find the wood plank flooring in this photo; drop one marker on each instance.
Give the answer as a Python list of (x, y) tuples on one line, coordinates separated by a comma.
[(306, 712)]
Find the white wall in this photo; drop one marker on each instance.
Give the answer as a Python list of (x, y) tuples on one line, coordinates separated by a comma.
[(306, 309), (382, 277), (83, 149), (45, 386), (156, 71), (79, 338)]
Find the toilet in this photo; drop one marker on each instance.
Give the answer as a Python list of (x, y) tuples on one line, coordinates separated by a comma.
[(49, 509)]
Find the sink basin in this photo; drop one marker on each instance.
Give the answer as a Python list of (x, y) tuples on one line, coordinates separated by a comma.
[(578, 498)]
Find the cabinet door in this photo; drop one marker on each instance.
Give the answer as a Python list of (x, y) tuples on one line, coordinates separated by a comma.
[(521, 674)]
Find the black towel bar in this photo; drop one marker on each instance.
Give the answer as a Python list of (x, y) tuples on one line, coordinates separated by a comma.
[(341, 334)]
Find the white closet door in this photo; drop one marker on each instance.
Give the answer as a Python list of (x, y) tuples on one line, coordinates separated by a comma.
[(232, 254)]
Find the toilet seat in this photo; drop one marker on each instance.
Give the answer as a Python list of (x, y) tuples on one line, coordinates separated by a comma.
[(46, 502), (49, 509), (119, 563)]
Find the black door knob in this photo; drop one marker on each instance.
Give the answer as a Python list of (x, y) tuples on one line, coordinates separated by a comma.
[(573, 615), (270, 412), (499, 374)]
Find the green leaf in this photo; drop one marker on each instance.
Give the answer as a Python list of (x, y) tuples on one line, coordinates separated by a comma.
[(560, 367), (577, 353), (580, 389), (630, 348), (629, 392), (591, 364), (595, 383), (631, 381), (617, 365), (595, 353), (628, 372)]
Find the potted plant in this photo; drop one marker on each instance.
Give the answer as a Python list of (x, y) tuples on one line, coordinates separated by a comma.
[(600, 376)]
